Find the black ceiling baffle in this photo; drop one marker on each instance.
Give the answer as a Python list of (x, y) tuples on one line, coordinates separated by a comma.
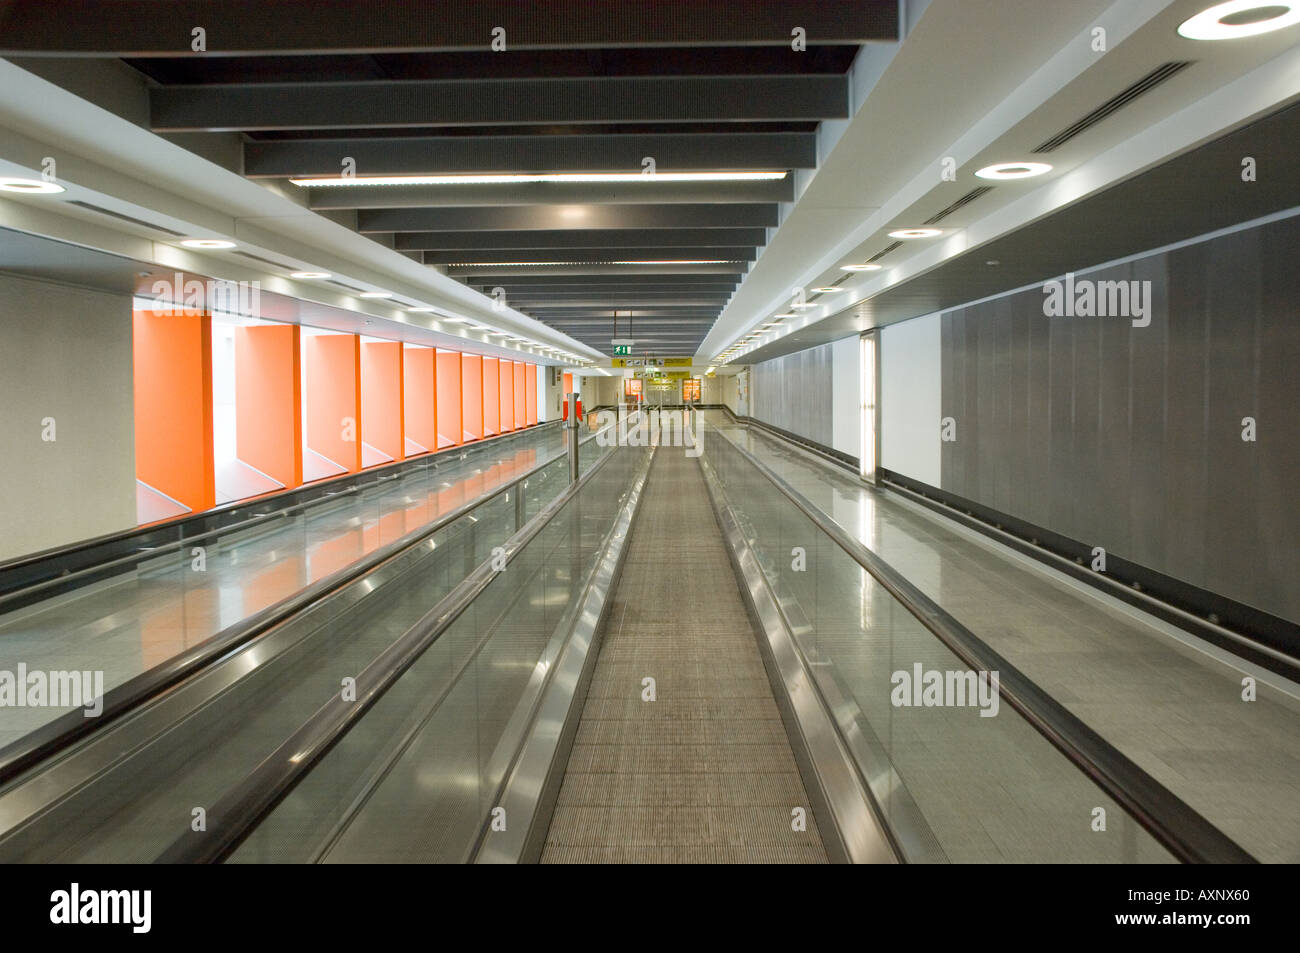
[(636, 107)]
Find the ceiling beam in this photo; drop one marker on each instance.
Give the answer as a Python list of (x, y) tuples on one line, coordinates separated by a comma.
[(580, 238), (581, 255), (452, 155), (658, 192), (608, 99), (255, 27), (560, 217)]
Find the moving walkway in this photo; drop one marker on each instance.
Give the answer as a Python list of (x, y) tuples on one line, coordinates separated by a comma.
[(504, 715)]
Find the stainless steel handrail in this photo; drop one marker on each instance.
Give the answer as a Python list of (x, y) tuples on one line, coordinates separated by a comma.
[(244, 805), (57, 734), (1170, 820)]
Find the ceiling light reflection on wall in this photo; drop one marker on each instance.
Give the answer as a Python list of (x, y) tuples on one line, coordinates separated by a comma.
[(866, 267), (375, 294), (1240, 18), (207, 243), (909, 233), (30, 186), (828, 290), (309, 274)]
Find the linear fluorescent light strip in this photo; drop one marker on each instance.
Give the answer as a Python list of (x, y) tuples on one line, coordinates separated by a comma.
[(531, 264), (509, 179)]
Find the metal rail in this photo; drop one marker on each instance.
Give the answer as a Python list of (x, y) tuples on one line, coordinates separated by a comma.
[(1170, 820), (65, 730), (27, 590), (244, 805)]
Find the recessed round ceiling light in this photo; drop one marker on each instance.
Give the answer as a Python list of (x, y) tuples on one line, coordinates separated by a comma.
[(375, 294), (906, 233), (828, 290), (309, 274), (1240, 18), (30, 186), (207, 243), (1013, 170), (859, 267)]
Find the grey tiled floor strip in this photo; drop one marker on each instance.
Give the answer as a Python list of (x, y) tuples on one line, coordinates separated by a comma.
[(704, 773)]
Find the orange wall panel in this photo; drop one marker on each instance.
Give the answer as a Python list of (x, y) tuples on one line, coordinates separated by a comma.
[(521, 387), (530, 394), (507, 396), (381, 396), (448, 386), (332, 368), (471, 399), (268, 400), (172, 353), (491, 397), (419, 405)]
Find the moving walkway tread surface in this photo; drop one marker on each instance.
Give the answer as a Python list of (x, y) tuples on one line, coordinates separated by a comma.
[(704, 772)]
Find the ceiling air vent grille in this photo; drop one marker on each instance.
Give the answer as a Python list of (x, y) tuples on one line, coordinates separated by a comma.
[(966, 199), (124, 218), (1147, 83), (267, 261), (884, 251)]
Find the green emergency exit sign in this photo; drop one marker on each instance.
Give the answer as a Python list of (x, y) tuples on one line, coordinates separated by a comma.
[(622, 349)]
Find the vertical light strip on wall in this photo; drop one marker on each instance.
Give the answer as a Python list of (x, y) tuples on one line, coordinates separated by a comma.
[(867, 408)]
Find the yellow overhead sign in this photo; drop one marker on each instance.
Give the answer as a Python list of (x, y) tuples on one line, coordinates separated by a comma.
[(652, 362)]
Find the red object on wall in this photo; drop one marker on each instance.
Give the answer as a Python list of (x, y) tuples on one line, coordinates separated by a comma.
[(419, 400), (448, 386), (381, 400), (172, 353), (332, 368), (491, 397), (507, 396), (521, 402), (268, 400), (471, 400), (530, 394)]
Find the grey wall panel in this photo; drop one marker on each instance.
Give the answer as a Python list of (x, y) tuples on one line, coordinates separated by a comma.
[(1001, 410), (1086, 469), (1039, 445), (987, 439), (1017, 378), (1130, 437), (1114, 440), (1185, 457), (1232, 306), (796, 392), (1275, 521), (1060, 463), (1146, 389)]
